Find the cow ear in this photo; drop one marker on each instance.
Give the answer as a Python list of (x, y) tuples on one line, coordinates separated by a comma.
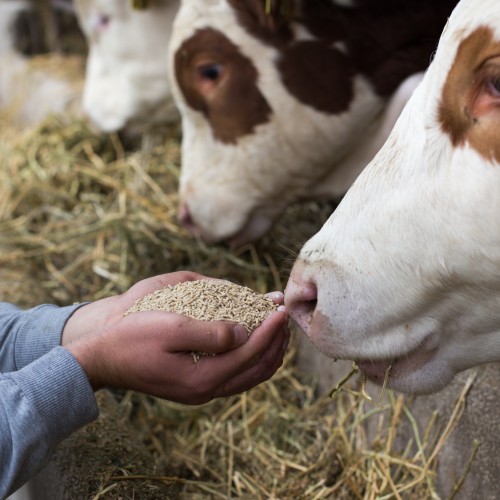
[(269, 20)]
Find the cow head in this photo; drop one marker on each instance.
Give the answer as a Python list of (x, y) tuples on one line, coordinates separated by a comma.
[(127, 74), (407, 270), (275, 101)]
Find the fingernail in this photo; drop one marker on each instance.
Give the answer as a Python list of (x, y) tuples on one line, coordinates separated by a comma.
[(276, 296), (282, 309), (240, 334)]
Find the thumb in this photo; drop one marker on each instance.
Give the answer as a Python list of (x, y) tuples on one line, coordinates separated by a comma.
[(207, 336)]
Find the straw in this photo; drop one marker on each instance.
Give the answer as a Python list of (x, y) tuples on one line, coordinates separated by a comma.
[(82, 217)]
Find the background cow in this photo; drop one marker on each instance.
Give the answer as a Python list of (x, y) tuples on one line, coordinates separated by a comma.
[(126, 80), (406, 272), (288, 103)]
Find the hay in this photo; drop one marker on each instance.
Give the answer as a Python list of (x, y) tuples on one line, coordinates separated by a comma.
[(280, 441), (89, 219), (82, 218)]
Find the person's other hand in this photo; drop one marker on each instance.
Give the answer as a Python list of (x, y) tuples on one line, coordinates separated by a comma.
[(150, 351)]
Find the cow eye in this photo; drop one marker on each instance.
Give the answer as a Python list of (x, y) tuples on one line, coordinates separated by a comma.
[(211, 72), (103, 21), (99, 23)]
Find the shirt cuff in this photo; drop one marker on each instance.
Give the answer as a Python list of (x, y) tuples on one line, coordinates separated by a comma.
[(60, 391), (40, 332)]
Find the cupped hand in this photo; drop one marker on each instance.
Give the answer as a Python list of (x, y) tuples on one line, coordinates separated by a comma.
[(150, 351)]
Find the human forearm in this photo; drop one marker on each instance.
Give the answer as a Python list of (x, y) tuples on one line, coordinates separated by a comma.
[(40, 405)]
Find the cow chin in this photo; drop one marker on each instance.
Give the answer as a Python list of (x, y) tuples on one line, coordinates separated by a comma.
[(233, 223), (417, 372), (252, 231), (417, 369), (256, 227)]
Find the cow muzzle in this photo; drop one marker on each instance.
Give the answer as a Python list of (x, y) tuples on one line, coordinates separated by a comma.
[(234, 233)]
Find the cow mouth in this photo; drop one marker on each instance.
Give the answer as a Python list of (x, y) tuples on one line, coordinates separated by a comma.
[(376, 370), (381, 371), (256, 227)]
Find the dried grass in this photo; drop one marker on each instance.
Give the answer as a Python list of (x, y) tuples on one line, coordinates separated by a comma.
[(80, 219), (281, 441), (89, 219)]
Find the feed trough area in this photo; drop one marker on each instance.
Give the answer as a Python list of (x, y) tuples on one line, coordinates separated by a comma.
[(84, 217)]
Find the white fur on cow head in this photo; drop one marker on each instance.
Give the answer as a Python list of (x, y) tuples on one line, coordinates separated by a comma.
[(127, 71), (236, 180), (408, 267)]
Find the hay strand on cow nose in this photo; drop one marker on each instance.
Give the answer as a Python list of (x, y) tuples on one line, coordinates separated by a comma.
[(210, 300)]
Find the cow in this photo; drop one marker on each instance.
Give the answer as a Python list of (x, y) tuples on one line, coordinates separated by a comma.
[(404, 277), (31, 88), (126, 82), (287, 101)]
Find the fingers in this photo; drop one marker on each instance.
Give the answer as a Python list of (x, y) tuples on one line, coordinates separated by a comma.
[(269, 336), (277, 297), (263, 370), (146, 351)]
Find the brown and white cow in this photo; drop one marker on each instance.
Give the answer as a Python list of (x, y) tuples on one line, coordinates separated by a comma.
[(407, 270), (288, 104), (126, 82)]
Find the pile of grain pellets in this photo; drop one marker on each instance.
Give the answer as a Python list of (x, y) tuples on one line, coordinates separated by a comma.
[(210, 300)]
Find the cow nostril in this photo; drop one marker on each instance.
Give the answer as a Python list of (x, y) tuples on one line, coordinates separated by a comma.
[(305, 306), (303, 299), (185, 218)]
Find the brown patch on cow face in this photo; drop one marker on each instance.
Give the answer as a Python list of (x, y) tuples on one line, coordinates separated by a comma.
[(385, 41), (271, 26), (218, 80), (318, 75), (469, 111)]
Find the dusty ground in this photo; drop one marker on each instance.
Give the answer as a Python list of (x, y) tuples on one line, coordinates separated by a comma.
[(96, 461)]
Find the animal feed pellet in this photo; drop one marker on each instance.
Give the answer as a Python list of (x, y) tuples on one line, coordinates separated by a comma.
[(209, 300)]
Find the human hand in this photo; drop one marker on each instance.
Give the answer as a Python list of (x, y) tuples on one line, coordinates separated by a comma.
[(150, 351)]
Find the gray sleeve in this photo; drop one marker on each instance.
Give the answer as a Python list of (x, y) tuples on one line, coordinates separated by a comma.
[(44, 393), (40, 405), (27, 335)]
